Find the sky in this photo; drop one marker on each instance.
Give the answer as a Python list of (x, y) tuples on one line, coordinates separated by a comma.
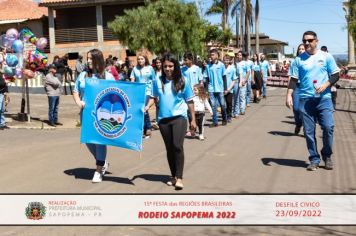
[(287, 20)]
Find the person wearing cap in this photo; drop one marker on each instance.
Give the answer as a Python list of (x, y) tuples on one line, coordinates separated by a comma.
[(53, 89)]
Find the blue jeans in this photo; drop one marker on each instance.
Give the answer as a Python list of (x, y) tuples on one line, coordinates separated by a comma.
[(321, 110), (248, 92), (264, 87), (2, 110), (99, 153), (53, 102), (297, 115), (236, 104), (147, 121), (242, 99), (216, 98)]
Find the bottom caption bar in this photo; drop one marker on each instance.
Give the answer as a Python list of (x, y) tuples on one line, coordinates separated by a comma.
[(177, 210)]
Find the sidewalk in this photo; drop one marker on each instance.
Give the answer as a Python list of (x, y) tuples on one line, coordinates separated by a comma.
[(68, 112)]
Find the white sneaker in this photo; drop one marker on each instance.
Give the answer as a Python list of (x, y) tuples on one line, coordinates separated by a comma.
[(201, 137), (97, 178), (105, 167)]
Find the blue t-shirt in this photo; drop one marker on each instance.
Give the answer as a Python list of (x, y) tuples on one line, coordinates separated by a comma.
[(192, 74), (264, 67), (242, 67), (171, 104), (215, 72), (144, 75), (80, 82), (230, 75), (309, 68), (256, 67)]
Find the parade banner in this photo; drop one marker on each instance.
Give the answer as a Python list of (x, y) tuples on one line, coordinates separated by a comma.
[(85, 209), (113, 113)]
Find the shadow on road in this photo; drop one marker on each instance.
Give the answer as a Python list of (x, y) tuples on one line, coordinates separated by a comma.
[(288, 122), (290, 117), (86, 173), (284, 162), (152, 177), (345, 110), (281, 133)]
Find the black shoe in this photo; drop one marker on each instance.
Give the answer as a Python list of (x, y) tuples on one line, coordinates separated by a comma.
[(297, 130), (264, 96), (52, 124), (58, 123), (312, 166), (329, 165), (224, 122), (4, 127), (213, 125)]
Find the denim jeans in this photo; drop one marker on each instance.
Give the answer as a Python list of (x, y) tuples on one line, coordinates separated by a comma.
[(53, 102), (216, 98), (242, 98), (147, 121), (321, 110), (236, 104), (99, 153), (248, 92), (2, 110), (297, 114), (264, 87)]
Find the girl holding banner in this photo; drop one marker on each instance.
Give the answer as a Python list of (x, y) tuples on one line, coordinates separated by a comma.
[(96, 65), (174, 96)]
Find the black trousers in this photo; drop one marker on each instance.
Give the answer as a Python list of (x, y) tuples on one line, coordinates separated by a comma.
[(173, 132), (199, 117), (228, 99)]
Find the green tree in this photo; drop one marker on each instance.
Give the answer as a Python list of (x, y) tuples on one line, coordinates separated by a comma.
[(221, 7), (218, 36), (161, 26), (352, 19)]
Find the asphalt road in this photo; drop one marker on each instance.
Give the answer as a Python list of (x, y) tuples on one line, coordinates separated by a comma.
[(257, 153)]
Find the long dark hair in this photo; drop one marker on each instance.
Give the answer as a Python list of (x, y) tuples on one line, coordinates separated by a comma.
[(258, 60), (177, 78), (299, 47), (98, 63)]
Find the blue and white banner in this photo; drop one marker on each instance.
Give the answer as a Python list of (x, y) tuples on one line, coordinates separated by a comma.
[(113, 113)]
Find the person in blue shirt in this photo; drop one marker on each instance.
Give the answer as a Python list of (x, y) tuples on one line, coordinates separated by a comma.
[(266, 72), (297, 116), (243, 73), (174, 96), (193, 75), (215, 74), (316, 71), (230, 81), (144, 73), (96, 69)]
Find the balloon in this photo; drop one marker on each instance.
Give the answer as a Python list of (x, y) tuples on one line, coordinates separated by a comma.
[(26, 34), (8, 41), (11, 60), (8, 71), (18, 72), (33, 40), (12, 33), (29, 74), (17, 46), (41, 43), (39, 57)]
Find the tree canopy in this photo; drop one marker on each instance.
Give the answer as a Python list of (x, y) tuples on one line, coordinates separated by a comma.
[(162, 26), (352, 20)]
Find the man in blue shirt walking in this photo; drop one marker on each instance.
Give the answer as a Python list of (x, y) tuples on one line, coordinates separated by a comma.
[(216, 77), (316, 71)]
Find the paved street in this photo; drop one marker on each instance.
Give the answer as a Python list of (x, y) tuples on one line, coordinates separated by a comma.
[(257, 153)]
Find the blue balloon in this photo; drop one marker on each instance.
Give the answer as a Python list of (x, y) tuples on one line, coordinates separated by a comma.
[(17, 46), (12, 60), (8, 71)]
